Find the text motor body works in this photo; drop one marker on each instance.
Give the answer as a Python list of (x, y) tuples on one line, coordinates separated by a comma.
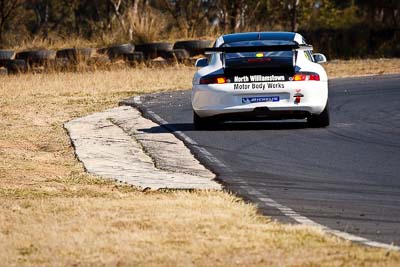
[(258, 82)]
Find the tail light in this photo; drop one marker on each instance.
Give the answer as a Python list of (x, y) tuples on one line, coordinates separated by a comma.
[(309, 76), (213, 80)]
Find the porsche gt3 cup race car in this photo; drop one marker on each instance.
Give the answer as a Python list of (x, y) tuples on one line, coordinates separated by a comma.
[(260, 76)]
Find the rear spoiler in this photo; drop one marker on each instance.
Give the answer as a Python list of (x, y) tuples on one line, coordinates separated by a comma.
[(238, 49)]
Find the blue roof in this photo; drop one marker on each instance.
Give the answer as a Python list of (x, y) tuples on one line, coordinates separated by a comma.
[(252, 36)]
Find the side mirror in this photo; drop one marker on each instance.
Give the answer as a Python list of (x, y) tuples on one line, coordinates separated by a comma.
[(319, 58), (201, 62)]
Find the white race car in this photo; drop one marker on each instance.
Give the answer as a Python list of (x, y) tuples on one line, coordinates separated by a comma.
[(260, 76)]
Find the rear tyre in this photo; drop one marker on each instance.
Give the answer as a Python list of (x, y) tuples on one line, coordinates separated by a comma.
[(200, 123), (321, 120)]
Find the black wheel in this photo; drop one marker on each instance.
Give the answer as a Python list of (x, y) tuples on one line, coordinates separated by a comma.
[(207, 123), (179, 55), (134, 57), (193, 47), (36, 56), (321, 120), (120, 51), (75, 54), (153, 50), (6, 54), (16, 66)]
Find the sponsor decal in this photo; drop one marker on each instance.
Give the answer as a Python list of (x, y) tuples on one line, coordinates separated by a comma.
[(258, 78), (258, 86), (249, 100), (238, 86)]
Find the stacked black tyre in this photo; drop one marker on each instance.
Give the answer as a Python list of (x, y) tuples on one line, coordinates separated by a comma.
[(153, 50), (175, 55), (120, 51), (193, 47), (12, 65), (36, 57), (135, 57), (75, 55), (6, 56)]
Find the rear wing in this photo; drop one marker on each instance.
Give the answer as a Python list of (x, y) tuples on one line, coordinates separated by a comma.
[(269, 48), (238, 49)]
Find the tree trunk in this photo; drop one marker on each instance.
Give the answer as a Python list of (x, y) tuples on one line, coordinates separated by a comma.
[(236, 15), (1, 34), (292, 10), (134, 8), (294, 16), (46, 20), (133, 17)]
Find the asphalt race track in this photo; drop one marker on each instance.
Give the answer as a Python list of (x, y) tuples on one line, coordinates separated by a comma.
[(346, 176)]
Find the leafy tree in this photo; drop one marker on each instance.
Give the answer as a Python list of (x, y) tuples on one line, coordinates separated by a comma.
[(190, 14), (8, 8)]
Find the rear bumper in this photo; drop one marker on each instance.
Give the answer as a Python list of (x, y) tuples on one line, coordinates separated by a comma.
[(226, 100), (262, 113)]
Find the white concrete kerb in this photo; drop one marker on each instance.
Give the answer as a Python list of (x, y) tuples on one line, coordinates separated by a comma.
[(120, 144)]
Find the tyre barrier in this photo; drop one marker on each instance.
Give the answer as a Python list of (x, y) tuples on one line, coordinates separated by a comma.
[(58, 64), (178, 55), (153, 50), (75, 55), (153, 54), (193, 47), (15, 66), (5, 56), (36, 57), (119, 51), (134, 57)]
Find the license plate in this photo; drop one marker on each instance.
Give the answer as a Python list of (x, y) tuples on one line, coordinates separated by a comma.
[(258, 99)]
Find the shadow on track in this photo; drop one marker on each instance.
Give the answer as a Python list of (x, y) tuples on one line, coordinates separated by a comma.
[(230, 126)]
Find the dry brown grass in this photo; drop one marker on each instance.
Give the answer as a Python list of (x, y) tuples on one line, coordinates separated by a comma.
[(57, 43), (169, 229), (52, 213), (361, 67)]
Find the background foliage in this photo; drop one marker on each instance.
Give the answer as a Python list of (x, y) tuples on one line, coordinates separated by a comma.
[(339, 28)]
